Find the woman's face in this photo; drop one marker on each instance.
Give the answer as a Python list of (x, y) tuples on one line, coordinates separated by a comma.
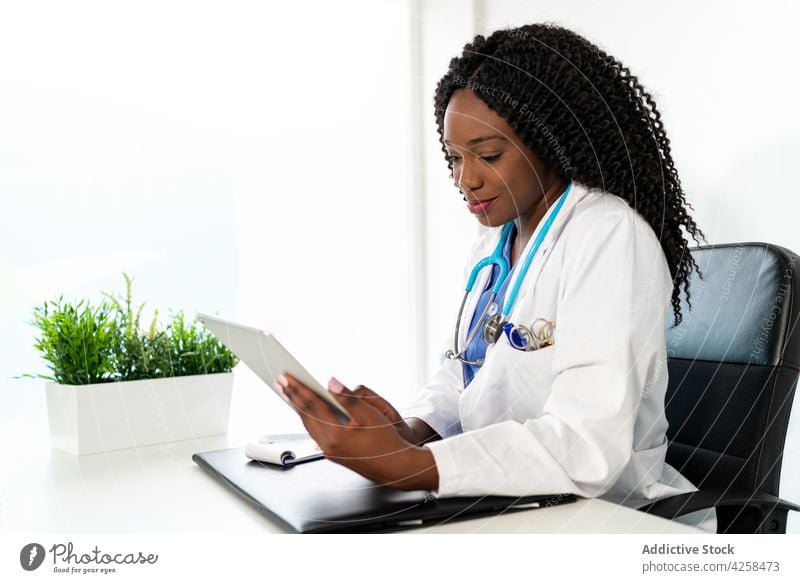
[(490, 162)]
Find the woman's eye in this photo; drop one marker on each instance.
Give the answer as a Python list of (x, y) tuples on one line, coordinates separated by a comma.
[(490, 159)]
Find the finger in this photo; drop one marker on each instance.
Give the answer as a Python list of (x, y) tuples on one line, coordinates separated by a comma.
[(369, 396), (311, 405), (361, 412), (335, 386), (300, 395), (378, 402)]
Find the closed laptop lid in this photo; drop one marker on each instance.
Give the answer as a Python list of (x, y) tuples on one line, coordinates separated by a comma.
[(322, 496)]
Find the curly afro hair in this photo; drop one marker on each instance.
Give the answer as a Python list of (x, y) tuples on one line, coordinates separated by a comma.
[(583, 113)]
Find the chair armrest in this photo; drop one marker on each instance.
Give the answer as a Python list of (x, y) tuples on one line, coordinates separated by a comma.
[(681, 504)]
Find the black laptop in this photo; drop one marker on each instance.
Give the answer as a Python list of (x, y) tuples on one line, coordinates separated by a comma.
[(321, 496)]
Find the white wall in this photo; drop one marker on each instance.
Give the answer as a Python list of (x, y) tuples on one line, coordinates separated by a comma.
[(724, 75), (449, 228), (249, 158), (321, 184)]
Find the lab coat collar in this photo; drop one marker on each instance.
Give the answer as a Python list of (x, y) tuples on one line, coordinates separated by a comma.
[(576, 194)]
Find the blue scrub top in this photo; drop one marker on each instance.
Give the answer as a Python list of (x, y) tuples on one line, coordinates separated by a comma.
[(477, 348)]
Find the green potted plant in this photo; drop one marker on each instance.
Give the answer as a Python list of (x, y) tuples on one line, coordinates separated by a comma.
[(114, 385)]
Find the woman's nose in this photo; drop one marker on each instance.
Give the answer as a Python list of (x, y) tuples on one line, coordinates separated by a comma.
[(468, 178)]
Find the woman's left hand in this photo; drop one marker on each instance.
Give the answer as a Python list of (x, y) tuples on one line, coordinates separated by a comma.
[(369, 444)]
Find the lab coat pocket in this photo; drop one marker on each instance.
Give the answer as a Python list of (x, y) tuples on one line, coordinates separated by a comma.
[(529, 378), (511, 385)]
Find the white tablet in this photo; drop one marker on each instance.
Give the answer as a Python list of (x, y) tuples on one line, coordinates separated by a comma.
[(266, 357)]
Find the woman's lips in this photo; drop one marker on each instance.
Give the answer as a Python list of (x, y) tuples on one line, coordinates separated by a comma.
[(480, 206)]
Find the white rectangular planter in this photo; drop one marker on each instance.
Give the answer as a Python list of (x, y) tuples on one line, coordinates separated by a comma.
[(118, 415)]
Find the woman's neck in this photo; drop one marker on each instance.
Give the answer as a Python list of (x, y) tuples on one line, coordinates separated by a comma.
[(527, 223)]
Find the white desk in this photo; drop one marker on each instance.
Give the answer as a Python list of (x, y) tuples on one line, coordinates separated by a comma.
[(159, 489)]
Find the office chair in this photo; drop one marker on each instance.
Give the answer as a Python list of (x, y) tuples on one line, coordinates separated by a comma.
[(733, 366)]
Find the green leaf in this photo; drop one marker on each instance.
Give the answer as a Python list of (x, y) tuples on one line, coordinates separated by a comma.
[(85, 344)]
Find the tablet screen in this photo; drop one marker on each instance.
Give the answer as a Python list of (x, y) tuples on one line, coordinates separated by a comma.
[(267, 358)]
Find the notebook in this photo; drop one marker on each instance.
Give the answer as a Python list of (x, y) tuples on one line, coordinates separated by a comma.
[(284, 450), (325, 497)]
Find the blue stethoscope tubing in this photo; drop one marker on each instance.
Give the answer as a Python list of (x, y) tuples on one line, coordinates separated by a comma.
[(496, 258)]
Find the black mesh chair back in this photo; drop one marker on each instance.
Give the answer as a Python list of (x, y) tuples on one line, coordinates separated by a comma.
[(733, 367)]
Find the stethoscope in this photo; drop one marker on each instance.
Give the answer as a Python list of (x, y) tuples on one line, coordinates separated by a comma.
[(520, 337)]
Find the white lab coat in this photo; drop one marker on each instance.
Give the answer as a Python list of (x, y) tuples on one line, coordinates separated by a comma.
[(585, 415)]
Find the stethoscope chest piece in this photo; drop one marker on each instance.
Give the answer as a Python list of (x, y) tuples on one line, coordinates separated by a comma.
[(493, 329)]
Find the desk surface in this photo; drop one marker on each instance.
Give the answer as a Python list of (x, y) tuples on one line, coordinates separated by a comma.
[(159, 489)]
